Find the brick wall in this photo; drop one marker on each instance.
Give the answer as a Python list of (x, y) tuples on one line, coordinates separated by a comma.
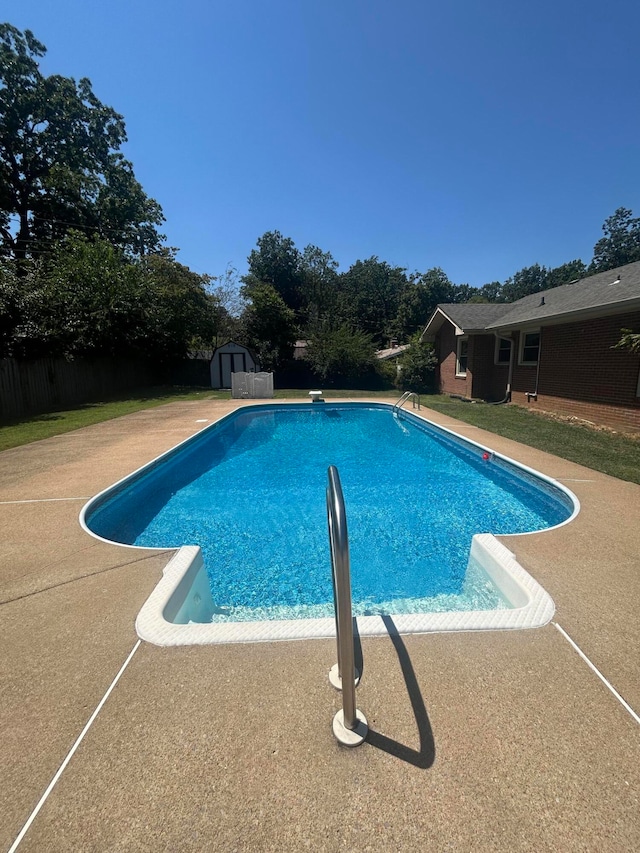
[(489, 379), (582, 376), (446, 379), (484, 380)]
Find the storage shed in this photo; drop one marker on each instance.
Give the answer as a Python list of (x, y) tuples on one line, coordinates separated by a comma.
[(231, 358)]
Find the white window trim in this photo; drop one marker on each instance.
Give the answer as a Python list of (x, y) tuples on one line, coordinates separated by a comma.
[(460, 340), (524, 332), (497, 349)]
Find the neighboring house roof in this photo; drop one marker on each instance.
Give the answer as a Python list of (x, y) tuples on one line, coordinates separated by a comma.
[(602, 294), (383, 354)]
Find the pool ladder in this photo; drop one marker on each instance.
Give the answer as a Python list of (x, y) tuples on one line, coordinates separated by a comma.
[(406, 396), (349, 725)]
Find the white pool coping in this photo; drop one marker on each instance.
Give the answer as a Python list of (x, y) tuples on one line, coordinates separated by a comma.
[(185, 575), (534, 607)]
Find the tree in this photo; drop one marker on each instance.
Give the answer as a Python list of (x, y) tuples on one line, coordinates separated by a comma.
[(490, 292), (269, 326), (566, 273), (528, 280), (181, 312), (90, 302), (225, 289), (620, 244), (418, 300), (369, 295), (14, 297), (418, 365), (464, 293), (60, 165), (276, 261), (319, 284), (339, 351), (90, 299)]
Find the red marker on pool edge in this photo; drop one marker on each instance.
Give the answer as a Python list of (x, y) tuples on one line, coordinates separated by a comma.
[(485, 456)]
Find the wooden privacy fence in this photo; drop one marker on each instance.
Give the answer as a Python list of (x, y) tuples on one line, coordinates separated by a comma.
[(30, 387)]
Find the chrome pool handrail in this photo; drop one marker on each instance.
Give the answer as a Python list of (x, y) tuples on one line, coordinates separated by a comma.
[(406, 396), (349, 725)]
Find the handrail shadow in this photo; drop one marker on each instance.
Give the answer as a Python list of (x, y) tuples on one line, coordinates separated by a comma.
[(426, 754)]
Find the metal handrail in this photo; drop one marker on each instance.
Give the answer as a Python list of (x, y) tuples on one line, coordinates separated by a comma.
[(406, 396), (349, 725)]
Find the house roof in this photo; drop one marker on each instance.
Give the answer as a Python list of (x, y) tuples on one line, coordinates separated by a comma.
[(602, 294), (466, 317), (383, 354), (605, 293)]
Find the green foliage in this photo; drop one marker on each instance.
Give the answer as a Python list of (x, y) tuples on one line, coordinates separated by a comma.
[(340, 351), (630, 341), (418, 299), (528, 280), (566, 273), (531, 279), (418, 365), (225, 291), (620, 244), (276, 262), (490, 292), (60, 164), (369, 297), (10, 308), (181, 313), (90, 299), (269, 326), (319, 285), (307, 281), (463, 293)]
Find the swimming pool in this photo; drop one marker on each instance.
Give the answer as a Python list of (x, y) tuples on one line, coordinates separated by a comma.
[(250, 492)]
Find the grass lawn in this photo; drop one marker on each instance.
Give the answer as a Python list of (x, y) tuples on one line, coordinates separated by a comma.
[(35, 427), (602, 450)]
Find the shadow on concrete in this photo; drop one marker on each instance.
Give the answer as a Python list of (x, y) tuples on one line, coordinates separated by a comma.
[(425, 755)]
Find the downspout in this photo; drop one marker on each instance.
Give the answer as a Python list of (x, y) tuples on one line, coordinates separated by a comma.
[(507, 393)]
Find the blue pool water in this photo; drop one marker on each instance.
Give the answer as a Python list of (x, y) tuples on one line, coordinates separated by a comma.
[(251, 492)]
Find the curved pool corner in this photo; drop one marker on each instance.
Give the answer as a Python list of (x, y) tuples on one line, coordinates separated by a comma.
[(184, 589)]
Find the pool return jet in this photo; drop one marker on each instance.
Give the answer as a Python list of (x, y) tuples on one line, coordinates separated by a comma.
[(349, 725)]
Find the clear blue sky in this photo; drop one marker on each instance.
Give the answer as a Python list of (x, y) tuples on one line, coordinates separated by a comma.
[(480, 137)]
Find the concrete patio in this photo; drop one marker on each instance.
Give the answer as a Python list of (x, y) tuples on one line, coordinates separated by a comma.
[(478, 741)]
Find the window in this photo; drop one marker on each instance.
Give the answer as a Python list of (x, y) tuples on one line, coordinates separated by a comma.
[(503, 350), (461, 356), (529, 347)]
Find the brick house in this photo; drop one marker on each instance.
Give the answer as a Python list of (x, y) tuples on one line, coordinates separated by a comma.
[(551, 350)]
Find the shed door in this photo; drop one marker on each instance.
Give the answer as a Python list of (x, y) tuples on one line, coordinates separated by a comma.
[(231, 362)]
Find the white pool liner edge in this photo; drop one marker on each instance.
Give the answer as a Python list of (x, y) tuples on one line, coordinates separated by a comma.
[(184, 576)]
